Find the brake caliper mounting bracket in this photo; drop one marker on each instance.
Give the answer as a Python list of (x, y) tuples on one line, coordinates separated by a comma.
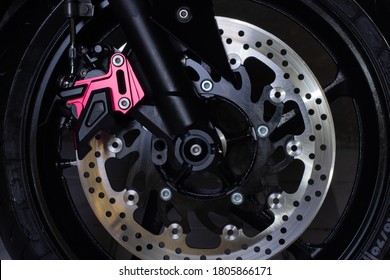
[(94, 100)]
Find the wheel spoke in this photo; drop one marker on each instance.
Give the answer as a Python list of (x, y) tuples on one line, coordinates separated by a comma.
[(276, 118), (204, 218), (182, 174), (258, 220), (338, 88), (276, 168), (241, 138), (287, 117), (66, 163), (224, 174), (304, 251), (150, 218)]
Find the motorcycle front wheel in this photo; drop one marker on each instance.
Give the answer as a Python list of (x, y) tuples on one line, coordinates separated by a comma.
[(322, 193)]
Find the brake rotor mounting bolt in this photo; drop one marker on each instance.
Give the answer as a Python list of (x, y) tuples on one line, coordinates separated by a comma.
[(118, 60), (262, 131), (175, 231), (237, 198), (276, 201), (124, 103), (207, 85), (166, 194), (115, 145), (294, 148)]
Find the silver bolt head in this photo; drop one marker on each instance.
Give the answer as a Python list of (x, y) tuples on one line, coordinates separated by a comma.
[(262, 131), (278, 95), (131, 197), (124, 103), (230, 232), (175, 231), (115, 145), (184, 14), (196, 150), (118, 60), (276, 201), (207, 85), (294, 148), (166, 194), (237, 198)]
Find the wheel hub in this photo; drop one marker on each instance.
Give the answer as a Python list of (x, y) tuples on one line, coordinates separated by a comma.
[(197, 149)]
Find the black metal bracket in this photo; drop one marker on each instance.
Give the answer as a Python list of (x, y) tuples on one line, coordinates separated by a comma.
[(78, 8), (170, 88), (98, 116), (192, 22)]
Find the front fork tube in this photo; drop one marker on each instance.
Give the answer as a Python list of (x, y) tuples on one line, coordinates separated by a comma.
[(171, 89)]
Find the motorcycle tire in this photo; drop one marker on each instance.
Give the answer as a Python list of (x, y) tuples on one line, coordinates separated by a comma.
[(44, 213)]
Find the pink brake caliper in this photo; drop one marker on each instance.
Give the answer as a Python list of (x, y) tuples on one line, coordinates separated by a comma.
[(94, 100), (121, 81)]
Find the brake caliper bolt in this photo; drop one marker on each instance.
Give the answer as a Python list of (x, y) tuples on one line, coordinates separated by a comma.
[(166, 194), (83, 72), (262, 131), (118, 60), (237, 198), (124, 103), (207, 85)]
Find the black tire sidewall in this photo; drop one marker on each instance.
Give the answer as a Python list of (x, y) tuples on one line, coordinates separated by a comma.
[(374, 243), (22, 230)]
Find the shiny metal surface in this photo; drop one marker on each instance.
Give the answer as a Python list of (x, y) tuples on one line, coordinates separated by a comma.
[(293, 211)]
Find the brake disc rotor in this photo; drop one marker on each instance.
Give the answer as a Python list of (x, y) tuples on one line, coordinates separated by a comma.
[(126, 204)]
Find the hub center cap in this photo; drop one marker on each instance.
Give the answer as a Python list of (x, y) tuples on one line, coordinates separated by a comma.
[(197, 149)]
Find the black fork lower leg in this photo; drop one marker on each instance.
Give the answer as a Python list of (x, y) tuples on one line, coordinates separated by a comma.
[(172, 90)]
